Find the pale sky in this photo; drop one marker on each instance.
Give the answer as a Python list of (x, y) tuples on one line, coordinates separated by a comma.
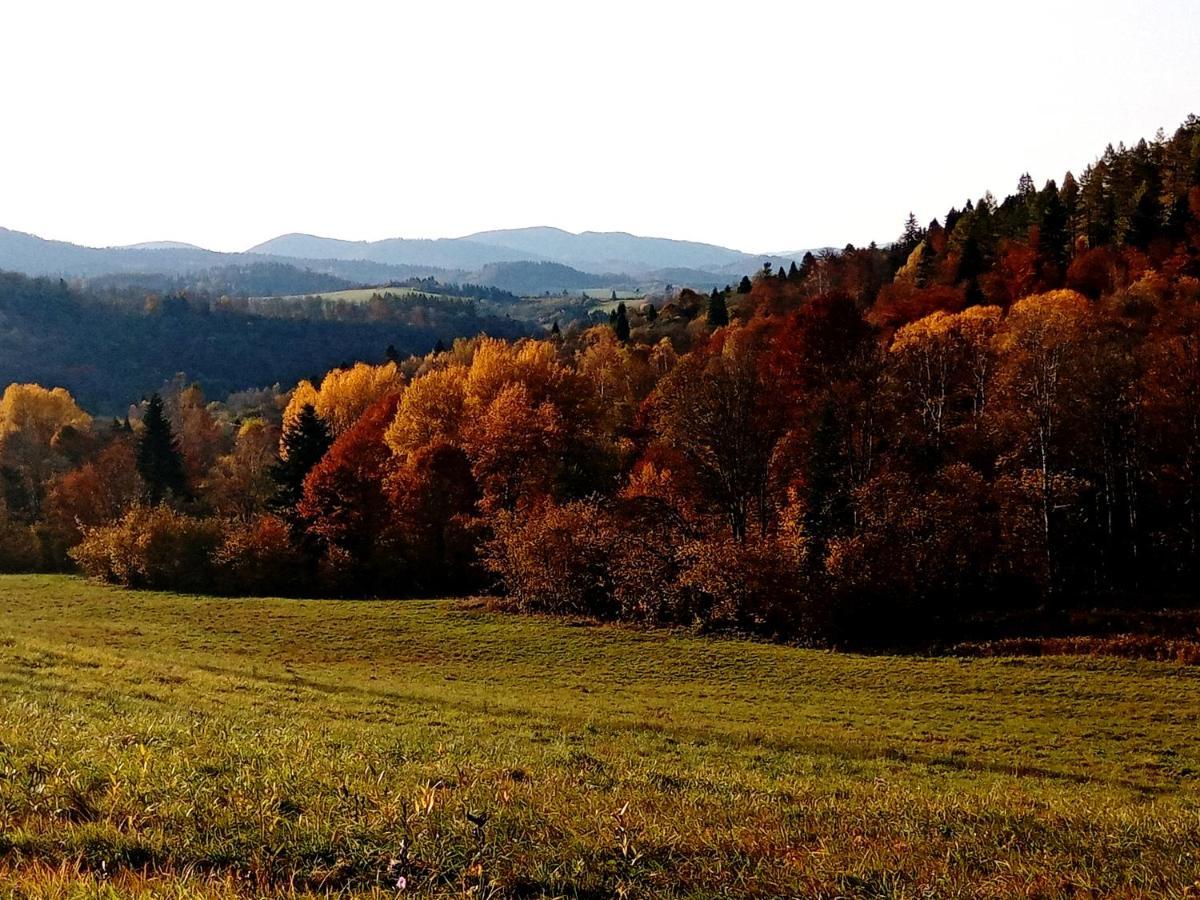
[(760, 126)]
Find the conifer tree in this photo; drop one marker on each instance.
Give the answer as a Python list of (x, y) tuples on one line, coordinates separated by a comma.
[(808, 264), (1069, 195), (158, 458), (650, 313), (793, 272), (1053, 245), (718, 311), (926, 265), (970, 261), (621, 324), (744, 286), (304, 443), (913, 235)]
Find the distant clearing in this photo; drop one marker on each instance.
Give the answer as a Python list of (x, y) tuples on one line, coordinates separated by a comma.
[(362, 295)]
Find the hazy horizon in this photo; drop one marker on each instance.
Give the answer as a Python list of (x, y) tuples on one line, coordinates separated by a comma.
[(223, 126)]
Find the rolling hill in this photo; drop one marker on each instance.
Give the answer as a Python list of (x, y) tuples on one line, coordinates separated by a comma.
[(109, 351), (615, 251), (446, 253), (36, 256), (589, 251), (524, 260)]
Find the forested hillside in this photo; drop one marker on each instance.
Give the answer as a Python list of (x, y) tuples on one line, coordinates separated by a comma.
[(995, 413), (114, 347)]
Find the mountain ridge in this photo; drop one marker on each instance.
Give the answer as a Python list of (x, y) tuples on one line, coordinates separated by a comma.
[(544, 259), (589, 251)]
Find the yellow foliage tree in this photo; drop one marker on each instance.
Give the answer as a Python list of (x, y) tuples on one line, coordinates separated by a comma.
[(39, 413), (345, 394), (304, 395), (1039, 344), (941, 357), (431, 408)]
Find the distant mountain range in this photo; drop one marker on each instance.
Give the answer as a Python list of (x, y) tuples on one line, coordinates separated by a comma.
[(590, 251), (32, 255), (522, 260)]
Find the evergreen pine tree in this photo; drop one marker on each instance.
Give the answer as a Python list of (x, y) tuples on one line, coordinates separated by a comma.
[(650, 313), (304, 442), (744, 286), (158, 458), (1069, 195), (718, 311), (392, 354), (926, 265), (912, 236), (1144, 219), (554, 329), (621, 325), (970, 261), (1053, 245), (793, 272)]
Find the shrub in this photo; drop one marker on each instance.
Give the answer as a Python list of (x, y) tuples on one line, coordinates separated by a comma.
[(20, 550), (153, 547), (632, 561), (259, 557), (757, 585), (556, 559)]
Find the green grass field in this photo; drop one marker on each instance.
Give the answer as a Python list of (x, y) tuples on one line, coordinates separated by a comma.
[(165, 745)]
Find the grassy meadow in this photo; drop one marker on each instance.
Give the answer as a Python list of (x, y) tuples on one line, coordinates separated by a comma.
[(168, 745)]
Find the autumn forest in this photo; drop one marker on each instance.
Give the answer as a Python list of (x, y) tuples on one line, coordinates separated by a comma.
[(996, 413)]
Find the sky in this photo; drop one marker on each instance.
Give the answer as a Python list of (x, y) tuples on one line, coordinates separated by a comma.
[(760, 126)]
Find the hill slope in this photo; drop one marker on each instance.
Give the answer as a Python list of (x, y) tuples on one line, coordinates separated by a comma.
[(110, 352)]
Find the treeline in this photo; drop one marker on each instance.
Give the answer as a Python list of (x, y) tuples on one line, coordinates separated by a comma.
[(450, 289), (997, 412), (261, 279), (533, 278), (452, 315)]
